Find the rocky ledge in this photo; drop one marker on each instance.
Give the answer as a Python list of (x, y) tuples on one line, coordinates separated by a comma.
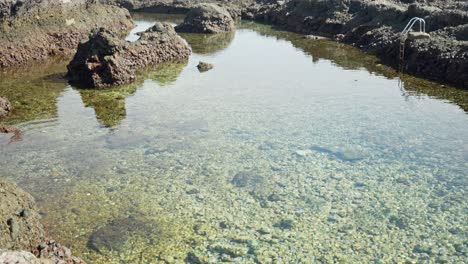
[(37, 29), (22, 236), (207, 18), (108, 60)]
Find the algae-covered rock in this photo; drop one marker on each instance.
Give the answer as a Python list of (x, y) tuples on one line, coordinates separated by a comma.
[(107, 60), (18, 230), (207, 18)]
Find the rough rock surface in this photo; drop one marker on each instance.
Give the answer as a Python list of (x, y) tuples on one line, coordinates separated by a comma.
[(204, 66), (107, 60), (22, 237), (207, 18), (37, 29), (5, 107)]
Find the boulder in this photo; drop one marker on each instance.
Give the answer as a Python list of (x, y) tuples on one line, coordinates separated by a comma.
[(108, 60), (20, 227), (5, 107), (207, 18)]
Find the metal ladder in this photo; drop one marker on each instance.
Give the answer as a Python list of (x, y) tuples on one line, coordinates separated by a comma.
[(404, 36)]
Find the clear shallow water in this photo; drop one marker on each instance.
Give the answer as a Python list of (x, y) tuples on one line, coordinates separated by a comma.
[(288, 151)]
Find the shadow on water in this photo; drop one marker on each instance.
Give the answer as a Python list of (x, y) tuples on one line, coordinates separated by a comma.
[(350, 58), (109, 104)]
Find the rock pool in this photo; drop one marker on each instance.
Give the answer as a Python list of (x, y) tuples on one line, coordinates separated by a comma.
[(290, 150)]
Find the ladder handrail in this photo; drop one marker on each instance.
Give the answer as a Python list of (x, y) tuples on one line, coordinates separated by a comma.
[(409, 26)]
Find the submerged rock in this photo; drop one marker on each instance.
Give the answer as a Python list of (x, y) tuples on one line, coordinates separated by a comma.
[(114, 235), (107, 60), (207, 18), (5, 107), (204, 66)]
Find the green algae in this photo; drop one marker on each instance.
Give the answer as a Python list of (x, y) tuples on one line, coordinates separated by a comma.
[(33, 89)]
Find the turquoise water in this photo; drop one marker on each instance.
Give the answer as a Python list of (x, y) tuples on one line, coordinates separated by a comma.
[(289, 151)]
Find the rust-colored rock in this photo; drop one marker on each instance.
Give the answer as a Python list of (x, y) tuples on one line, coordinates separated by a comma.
[(107, 60)]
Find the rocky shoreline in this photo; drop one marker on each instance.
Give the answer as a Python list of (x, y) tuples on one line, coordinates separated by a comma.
[(372, 26)]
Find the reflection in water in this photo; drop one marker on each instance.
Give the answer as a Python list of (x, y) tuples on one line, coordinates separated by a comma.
[(208, 43), (268, 158), (109, 104), (352, 59), (165, 73), (33, 89)]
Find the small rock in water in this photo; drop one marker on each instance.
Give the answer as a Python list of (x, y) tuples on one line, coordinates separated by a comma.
[(204, 66)]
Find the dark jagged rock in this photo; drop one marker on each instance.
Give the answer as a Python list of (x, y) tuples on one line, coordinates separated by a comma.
[(5, 107), (107, 60), (207, 18), (204, 66), (37, 29)]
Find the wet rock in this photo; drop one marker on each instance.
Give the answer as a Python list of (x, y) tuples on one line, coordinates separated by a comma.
[(20, 229), (207, 18), (108, 60), (5, 107), (246, 178), (204, 66), (18, 232)]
